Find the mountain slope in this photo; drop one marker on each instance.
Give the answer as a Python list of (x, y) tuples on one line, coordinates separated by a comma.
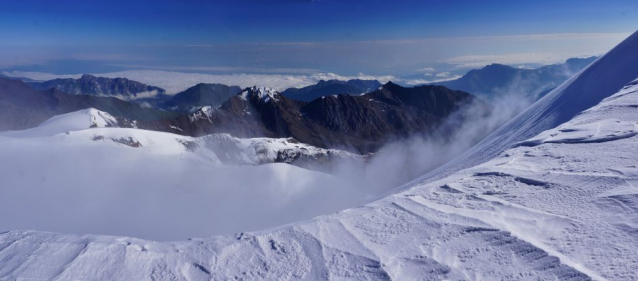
[(331, 87), (496, 80), (23, 107), (201, 95)]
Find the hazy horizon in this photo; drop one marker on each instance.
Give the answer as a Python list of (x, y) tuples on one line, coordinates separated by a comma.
[(426, 40)]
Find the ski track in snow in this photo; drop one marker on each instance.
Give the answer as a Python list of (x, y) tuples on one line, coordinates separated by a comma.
[(556, 210)]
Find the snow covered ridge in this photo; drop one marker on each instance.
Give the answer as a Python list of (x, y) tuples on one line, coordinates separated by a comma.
[(73, 121), (264, 94), (255, 151), (219, 148), (601, 131), (554, 211), (584, 130)]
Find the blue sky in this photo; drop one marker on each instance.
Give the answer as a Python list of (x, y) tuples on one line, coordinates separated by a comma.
[(294, 36)]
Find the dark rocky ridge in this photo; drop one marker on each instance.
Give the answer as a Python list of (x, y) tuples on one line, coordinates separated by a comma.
[(200, 95), (331, 87), (357, 123), (361, 123)]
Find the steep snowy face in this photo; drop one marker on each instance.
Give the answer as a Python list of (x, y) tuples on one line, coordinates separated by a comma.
[(263, 94), (601, 79)]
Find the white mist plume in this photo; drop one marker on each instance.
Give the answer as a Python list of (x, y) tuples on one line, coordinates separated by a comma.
[(399, 162)]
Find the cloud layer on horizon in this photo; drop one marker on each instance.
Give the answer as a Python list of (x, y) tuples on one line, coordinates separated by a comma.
[(175, 82)]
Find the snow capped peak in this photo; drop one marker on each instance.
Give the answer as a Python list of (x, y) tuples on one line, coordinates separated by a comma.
[(84, 119), (207, 110), (100, 119), (73, 121), (264, 94), (203, 113)]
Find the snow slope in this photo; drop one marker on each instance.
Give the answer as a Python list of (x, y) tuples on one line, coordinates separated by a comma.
[(72, 121), (564, 210), (599, 80), (66, 176)]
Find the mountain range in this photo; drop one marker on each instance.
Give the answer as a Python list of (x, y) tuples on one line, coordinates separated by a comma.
[(100, 86), (497, 80), (23, 107), (200, 95), (362, 123)]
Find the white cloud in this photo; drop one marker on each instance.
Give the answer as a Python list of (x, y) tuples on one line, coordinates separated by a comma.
[(424, 81), (426, 70), (477, 61), (442, 74)]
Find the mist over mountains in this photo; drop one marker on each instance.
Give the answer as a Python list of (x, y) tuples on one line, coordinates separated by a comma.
[(357, 115), (100, 86), (498, 80)]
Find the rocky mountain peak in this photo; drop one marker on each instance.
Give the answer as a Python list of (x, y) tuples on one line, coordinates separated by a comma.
[(263, 94)]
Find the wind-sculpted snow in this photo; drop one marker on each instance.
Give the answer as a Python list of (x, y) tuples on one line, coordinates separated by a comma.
[(601, 131), (554, 211)]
